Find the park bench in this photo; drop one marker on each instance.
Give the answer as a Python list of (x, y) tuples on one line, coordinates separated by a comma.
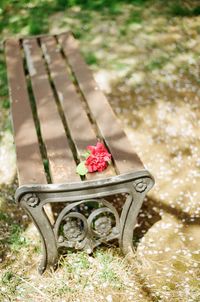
[(58, 110)]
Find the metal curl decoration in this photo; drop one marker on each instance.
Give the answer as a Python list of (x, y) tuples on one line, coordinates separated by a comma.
[(31, 199), (140, 185), (73, 229), (102, 226)]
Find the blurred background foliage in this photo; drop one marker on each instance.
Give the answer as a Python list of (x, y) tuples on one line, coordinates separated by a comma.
[(33, 15)]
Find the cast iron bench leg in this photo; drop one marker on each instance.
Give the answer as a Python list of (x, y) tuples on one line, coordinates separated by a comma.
[(31, 203), (130, 213), (84, 238)]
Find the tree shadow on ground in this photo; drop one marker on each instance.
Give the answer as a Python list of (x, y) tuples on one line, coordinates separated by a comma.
[(150, 214)]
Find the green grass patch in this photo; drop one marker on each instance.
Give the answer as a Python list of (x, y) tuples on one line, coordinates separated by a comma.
[(62, 289), (6, 104), (90, 58), (119, 65), (135, 17), (8, 284), (123, 31), (81, 262), (138, 2), (62, 4), (157, 63), (107, 273), (16, 240), (78, 263), (4, 217), (111, 7), (38, 20), (33, 18), (3, 77), (115, 9), (181, 10), (7, 125)]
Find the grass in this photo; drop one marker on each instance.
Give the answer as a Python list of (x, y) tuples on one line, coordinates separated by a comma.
[(180, 10), (134, 17), (13, 238), (3, 79), (5, 104), (16, 240), (90, 58), (9, 283), (123, 41), (80, 277), (157, 63)]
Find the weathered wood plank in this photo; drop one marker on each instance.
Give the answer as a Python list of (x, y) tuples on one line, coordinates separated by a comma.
[(125, 157), (61, 162), (29, 162), (78, 122)]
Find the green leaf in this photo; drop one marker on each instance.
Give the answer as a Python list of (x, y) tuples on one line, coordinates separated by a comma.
[(81, 169), (86, 154)]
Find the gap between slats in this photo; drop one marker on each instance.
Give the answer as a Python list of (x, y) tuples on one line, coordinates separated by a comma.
[(91, 118), (29, 161), (79, 127), (61, 161), (41, 144), (58, 104), (84, 100), (125, 158), (58, 100)]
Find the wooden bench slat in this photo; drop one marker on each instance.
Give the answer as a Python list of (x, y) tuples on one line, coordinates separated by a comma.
[(125, 157), (29, 162), (78, 122), (61, 161)]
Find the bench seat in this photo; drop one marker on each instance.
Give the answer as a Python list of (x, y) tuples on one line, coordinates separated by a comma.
[(57, 111)]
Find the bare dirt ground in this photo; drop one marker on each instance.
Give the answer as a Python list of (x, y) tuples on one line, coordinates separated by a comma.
[(147, 62)]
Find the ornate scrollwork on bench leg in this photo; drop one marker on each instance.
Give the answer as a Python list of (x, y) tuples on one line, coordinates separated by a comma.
[(79, 229), (31, 203), (130, 212), (85, 224)]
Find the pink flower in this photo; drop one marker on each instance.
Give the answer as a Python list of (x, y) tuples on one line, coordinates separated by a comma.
[(98, 159)]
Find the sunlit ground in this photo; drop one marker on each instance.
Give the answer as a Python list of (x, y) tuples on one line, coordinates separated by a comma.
[(145, 57)]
